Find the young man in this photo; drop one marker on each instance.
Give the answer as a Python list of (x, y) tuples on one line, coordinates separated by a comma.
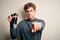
[(29, 29)]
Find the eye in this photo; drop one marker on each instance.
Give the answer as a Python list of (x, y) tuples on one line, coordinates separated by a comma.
[(27, 11), (31, 10)]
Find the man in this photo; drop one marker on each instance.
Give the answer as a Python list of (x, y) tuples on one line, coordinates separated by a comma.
[(29, 29)]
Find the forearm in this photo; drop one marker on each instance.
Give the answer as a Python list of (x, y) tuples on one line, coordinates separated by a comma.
[(42, 25), (12, 31)]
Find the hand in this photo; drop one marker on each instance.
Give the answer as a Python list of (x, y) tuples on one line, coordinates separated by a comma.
[(36, 26), (9, 18)]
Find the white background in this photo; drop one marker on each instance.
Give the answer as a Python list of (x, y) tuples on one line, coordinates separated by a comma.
[(48, 10)]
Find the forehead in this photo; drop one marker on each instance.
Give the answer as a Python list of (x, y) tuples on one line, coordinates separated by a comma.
[(30, 8)]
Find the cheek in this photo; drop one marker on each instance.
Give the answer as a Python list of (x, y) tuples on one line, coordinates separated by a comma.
[(33, 14), (28, 15)]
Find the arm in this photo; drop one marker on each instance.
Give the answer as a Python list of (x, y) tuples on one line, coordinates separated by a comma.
[(15, 32), (12, 31), (42, 22), (37, 26)]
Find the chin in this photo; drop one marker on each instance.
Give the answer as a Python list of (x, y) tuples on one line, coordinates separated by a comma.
[(30, 17)]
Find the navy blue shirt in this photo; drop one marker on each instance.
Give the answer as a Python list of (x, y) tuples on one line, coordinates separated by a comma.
[(24, 30)]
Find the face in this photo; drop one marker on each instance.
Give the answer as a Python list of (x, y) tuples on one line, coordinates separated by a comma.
[(30, 13)]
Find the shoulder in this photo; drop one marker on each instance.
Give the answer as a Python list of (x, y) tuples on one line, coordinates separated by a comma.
[(22, 22), (40, 20)]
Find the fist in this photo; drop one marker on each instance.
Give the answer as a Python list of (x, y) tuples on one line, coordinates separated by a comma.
[(36, 26), (9, 18)]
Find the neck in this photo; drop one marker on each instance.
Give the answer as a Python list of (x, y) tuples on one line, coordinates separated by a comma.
[(31, 18)]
